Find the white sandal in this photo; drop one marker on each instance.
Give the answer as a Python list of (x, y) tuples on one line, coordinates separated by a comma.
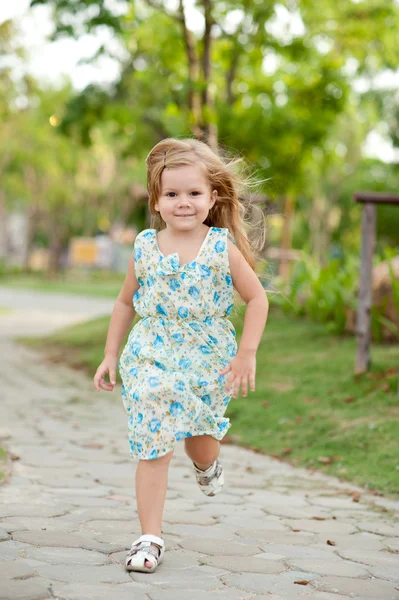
[(142, 550), (210, 481)]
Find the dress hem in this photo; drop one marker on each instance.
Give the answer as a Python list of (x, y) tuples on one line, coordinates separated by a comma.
[(169, 449)]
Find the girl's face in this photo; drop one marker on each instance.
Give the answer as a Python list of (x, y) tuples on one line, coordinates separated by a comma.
[(185, 197)]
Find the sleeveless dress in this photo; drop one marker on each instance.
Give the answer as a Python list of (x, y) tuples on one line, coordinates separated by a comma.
[(171, 387)]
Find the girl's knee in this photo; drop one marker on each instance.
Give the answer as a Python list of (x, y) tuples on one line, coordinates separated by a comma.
[(204, 449)]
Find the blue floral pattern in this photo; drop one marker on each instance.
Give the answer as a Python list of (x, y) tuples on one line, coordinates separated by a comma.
[(171, 387)]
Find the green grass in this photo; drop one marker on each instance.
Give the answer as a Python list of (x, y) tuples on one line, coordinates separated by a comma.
[(3, 462), (308, 406), (87, 283)]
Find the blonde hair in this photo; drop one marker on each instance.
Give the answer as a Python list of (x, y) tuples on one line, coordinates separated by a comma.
[(221, 173)]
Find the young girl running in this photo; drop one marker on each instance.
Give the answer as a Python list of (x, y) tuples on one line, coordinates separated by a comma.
[(181, 366)]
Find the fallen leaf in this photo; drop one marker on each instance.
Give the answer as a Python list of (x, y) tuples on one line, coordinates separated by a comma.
[(330, 543), (286, 451), (319, 518), (326, 460), (296, 530), (349, 399), (302, 581), (266, 404), (14, 456)]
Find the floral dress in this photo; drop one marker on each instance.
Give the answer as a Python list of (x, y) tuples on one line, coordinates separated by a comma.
[(171, 387)]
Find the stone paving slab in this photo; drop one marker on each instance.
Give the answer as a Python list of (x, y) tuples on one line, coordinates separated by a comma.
[(26, 589), (358, 588), (68, 513)]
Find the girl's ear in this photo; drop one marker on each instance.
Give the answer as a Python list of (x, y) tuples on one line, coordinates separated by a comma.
[(214, 196)]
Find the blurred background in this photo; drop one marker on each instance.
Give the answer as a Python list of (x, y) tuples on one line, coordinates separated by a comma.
[(308, 94)]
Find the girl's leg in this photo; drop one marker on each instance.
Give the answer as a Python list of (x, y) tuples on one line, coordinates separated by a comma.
[(202, 449), (151, 487)]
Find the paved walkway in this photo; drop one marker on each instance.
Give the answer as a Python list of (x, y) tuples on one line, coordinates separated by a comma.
[(68, 512)]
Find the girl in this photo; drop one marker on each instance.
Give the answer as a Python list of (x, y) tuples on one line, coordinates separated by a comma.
[(174, 365)]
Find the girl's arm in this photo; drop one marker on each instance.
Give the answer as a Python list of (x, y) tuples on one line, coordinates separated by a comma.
[(121, 320), (123, 312), (254, 295)]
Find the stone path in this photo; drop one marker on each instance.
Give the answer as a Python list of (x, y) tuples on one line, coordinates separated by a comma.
[(68, 512)]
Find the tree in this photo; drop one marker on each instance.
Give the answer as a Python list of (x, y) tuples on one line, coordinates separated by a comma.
[(214, 81)]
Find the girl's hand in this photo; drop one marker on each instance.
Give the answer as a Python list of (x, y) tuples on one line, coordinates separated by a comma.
[(242, 369), (108, 365)]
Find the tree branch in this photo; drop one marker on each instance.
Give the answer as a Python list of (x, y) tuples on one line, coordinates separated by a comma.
[(193, 69)]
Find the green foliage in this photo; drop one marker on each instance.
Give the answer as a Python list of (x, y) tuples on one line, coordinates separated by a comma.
[(322, 292), (325, 293), (369, 175), (275, 118), (394, 285), (298, 121)]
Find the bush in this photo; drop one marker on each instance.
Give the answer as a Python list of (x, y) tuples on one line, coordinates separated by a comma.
[(329, 294), (321, 292)]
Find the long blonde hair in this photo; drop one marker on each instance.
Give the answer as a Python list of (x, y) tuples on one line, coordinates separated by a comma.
[(222, 175)]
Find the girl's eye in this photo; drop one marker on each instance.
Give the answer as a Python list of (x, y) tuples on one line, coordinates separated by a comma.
[(195, 192)]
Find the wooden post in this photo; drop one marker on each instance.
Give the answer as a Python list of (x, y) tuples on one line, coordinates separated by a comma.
[(363, 324)]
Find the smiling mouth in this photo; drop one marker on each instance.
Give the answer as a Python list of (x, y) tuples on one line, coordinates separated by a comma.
[(184, 215)]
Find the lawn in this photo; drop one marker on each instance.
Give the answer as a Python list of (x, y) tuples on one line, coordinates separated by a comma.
[(75, 281), (308, 407)]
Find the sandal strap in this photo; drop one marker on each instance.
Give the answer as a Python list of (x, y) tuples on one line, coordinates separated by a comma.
[(146, 551), (148, 537)]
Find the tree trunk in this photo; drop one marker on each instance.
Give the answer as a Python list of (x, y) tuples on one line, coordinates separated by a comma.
[(55, 251), (56, 235), (31, 228), (194, 99), (317, 227), (286, 236)]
